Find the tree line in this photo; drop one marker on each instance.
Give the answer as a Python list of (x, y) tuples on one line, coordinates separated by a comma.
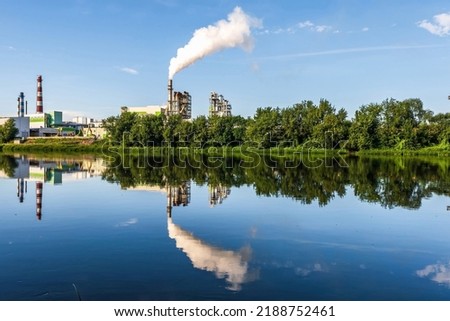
[(390, 124)]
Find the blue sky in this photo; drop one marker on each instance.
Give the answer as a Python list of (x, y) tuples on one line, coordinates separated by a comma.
[(96, 56)]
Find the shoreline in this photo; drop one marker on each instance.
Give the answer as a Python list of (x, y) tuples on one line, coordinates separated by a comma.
[(76, 145)]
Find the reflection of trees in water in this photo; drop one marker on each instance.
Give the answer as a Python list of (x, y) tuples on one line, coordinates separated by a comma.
[(388, 181), (8, 165), (399, 181)]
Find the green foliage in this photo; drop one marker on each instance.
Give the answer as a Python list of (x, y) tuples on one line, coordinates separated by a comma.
[(265, 130), (364, 128), (397, 125), (8, 131)]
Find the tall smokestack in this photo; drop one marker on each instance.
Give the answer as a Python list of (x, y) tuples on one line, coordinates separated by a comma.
[(39, 103), (39, 186), (22, 104), (18, 106), (170, 97)]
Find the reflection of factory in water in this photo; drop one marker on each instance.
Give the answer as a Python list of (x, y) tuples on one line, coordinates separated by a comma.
[(217, 194), (180, 194), (49, 172)]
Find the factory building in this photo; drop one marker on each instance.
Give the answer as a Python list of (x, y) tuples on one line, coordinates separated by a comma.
[(218, 106), (178, 103), (55, 118), (145, 110), (217, 194)]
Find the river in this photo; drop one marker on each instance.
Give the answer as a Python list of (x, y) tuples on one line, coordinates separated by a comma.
[(352, 228)]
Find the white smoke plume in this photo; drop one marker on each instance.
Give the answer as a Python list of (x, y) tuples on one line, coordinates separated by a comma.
[(230, 33)]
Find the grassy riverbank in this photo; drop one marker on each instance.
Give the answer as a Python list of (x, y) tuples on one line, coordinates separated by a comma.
[(75, 145)]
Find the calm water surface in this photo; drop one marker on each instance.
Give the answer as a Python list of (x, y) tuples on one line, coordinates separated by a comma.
[(362, 229)]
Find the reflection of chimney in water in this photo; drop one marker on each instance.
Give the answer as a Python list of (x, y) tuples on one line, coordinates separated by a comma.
[(169, 200), (20, 189), (39, 186)]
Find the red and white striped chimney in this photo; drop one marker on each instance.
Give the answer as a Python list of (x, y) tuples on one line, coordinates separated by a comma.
[(39, 103), (39, 187)]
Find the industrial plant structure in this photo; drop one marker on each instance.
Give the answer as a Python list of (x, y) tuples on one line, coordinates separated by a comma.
[(218, 106), (178, 103), (217, 194)]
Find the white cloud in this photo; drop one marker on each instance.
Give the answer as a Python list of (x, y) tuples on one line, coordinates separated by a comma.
[(301, 25), (440, 27), (313, 27), (322, 28), (347, 51), (365, 29), (130, 71), (305, 24)]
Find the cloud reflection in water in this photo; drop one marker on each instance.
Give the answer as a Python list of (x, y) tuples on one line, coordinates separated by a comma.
[(233, 266), (439, 273)]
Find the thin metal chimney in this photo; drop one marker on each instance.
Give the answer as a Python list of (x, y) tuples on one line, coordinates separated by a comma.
[(18, 106), (22, 104), (170, 97)]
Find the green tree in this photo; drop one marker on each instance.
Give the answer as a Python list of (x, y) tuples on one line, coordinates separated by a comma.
[(363, 132), (331, 128), (184, 132), (291, 122), (200, 131), (8, 131), (400, 122), (238, 127), (441, 123), (226, 131), (265, 129), (147, 130), (171, 130)]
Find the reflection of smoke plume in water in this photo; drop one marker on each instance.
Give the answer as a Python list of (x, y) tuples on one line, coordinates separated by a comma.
[(231, 265), (234, 32)]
